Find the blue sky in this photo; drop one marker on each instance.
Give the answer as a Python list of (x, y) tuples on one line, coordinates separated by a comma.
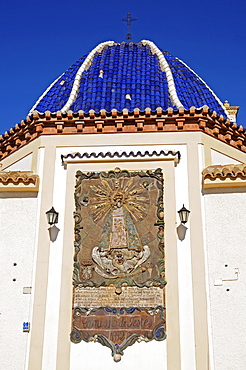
[(40, 39)]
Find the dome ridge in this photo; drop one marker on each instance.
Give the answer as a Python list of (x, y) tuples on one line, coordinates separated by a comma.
[(165, 68), (212, 92), (85, 65), (45, 92)]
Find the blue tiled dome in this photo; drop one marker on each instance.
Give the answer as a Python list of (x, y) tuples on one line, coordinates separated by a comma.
[(127, 75)]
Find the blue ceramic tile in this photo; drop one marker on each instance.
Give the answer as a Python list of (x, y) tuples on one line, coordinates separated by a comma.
[(128, 69)]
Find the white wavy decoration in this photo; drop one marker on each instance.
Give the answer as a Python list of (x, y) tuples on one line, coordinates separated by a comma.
[(214, 95), (165, 68), (41, 97), (86, 64), (76, 84)]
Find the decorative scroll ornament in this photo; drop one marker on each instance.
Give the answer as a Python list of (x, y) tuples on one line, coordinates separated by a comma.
[(119, 328)]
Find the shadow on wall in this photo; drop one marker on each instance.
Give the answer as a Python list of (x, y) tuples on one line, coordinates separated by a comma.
[(181, 231), (53, 231)]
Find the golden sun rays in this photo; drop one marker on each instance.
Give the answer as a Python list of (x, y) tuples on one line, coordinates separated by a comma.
[(116, 193)]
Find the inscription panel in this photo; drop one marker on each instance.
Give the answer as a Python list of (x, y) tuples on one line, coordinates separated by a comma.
[(130, 297)]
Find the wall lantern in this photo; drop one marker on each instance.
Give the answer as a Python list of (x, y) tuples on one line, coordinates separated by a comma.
[(52, 216), (183, 214)]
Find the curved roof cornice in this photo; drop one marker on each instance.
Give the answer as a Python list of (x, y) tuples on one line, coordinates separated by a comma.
[(170, 120), (223, 171), (18, 181), (224, 176)]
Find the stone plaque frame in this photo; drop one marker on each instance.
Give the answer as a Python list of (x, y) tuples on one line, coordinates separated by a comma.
[(119, 245)]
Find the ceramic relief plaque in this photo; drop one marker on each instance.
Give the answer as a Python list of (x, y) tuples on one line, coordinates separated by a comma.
[(119, 258)]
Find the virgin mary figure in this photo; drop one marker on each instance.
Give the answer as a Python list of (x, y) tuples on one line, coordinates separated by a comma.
[(120, 202)]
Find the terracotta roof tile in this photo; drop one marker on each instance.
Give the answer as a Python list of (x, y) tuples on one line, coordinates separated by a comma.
[(116, 122), (18, 181), (223, 171)]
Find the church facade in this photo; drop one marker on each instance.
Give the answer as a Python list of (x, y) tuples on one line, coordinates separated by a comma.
[(117, 145)]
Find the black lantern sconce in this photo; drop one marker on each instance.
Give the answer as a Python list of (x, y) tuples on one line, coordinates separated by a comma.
[(52, 216), (183, 214)]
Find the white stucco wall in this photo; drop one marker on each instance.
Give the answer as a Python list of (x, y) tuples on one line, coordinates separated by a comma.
[(139, 356), (220, 158), (24, 164), (53, 323), (17, 237), (226, 242), (224, 233)]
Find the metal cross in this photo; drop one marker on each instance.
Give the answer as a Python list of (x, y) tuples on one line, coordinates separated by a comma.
[(128, 19)]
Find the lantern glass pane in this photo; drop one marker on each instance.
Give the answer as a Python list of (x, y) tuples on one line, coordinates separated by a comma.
[(52, 216), (183, 214)]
